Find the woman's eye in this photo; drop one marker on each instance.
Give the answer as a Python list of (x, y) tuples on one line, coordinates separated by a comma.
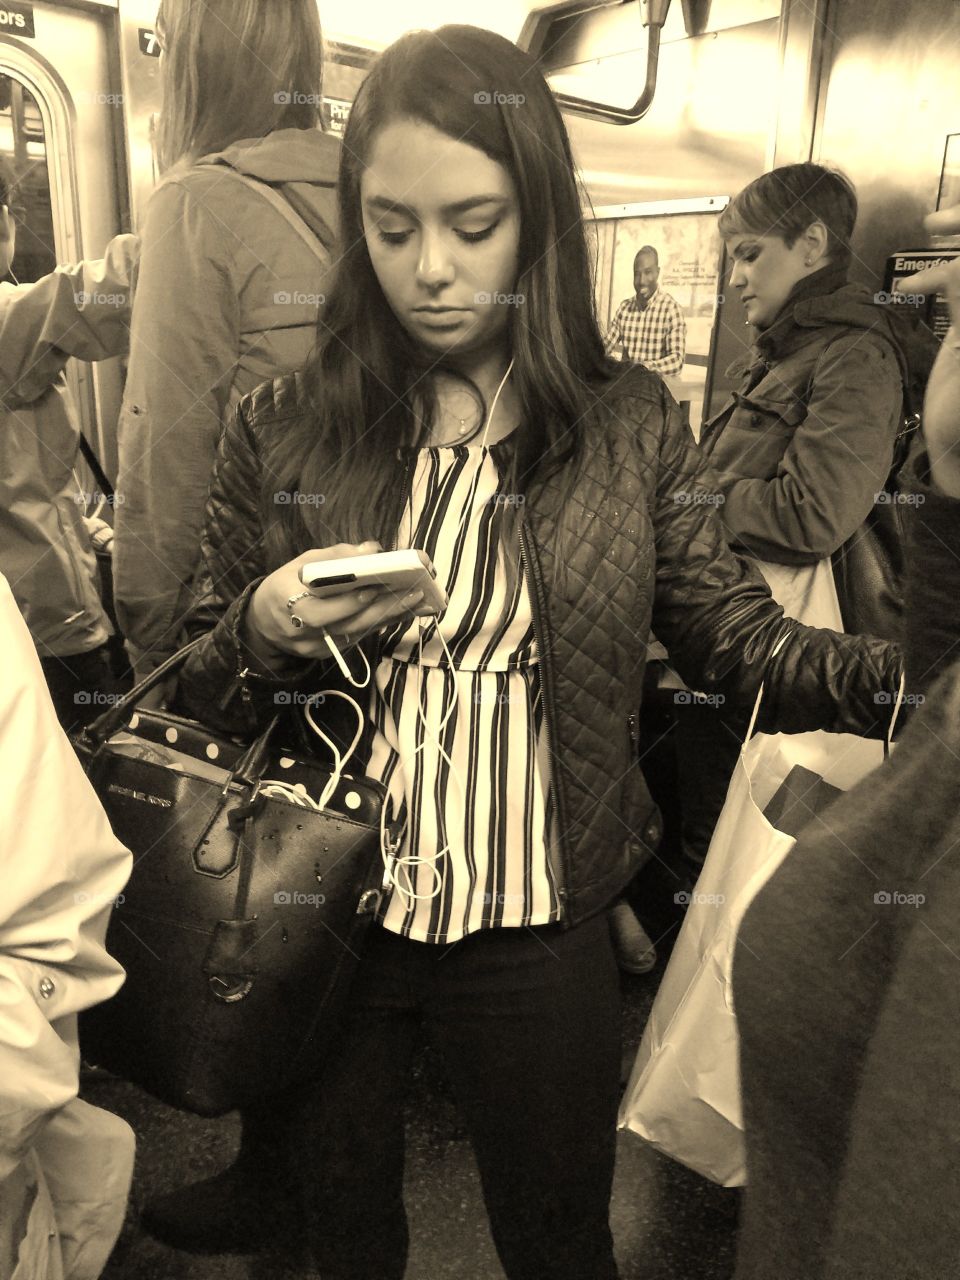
[(393, 237), (472, 237)]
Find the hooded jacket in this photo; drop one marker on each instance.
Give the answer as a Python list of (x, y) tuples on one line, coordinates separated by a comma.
[(227, 296), (806, 444), (650, 547), (45, 551)]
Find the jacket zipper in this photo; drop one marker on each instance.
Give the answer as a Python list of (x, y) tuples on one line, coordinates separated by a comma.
[(535, 582)]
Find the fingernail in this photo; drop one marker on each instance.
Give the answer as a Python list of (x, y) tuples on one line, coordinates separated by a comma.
[(372, 545), (414, 597)]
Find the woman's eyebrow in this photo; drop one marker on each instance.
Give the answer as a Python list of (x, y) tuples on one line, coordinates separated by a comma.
[(383, 204)]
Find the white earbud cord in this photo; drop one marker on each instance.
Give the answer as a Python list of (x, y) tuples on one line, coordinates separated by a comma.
[(398, 869)]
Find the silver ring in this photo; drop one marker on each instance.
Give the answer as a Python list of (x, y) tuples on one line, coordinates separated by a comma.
[(296, 620), (293, 600)]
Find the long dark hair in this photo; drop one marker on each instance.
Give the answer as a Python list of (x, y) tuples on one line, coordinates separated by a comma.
[(367, 376)]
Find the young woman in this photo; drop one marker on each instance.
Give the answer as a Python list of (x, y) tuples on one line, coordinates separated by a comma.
[(236, 250), (237, 244), (804, 447), (459, 402)]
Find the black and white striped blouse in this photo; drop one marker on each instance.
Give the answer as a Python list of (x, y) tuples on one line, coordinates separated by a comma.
[(477, 847)]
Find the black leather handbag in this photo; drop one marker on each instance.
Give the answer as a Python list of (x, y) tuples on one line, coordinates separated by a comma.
[(242, 921)]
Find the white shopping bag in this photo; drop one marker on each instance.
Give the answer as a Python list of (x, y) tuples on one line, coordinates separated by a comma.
[(683, 1095)]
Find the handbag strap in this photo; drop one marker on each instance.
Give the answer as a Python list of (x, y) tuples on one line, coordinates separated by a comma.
[(284, 208)]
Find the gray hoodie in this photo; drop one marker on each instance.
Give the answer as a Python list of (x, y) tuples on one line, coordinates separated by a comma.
[(227, 297)]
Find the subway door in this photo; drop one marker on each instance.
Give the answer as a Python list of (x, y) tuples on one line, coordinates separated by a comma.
[(61, 131)]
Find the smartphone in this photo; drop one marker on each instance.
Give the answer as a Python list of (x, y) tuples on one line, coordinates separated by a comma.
[(398, 571)]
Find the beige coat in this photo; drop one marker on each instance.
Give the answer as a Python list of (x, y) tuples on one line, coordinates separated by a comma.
[(61, 869), (227, 297), (45, 552)]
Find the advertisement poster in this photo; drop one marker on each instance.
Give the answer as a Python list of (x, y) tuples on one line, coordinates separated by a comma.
[(658, 290)]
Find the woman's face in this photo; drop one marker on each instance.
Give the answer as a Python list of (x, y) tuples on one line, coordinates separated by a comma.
[(442, 228), (765, 269)]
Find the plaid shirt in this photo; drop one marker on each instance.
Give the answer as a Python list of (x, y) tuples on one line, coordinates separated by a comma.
[(655, 337)]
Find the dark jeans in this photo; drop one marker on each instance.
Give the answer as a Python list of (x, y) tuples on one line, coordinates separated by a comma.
[(527, 1021), (82, 686), (708, 743)]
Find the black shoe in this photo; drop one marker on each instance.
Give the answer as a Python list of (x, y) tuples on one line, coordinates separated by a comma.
[(237, 1211)]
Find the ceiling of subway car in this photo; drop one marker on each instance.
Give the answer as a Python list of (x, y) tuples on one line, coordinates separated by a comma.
[(376, 23)]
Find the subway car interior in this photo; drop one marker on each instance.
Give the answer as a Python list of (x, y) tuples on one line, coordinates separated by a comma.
[(671, 110)]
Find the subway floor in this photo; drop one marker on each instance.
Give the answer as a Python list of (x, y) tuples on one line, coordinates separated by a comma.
[(668, 1223)]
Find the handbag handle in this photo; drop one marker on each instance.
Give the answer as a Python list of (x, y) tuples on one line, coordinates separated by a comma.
[(98, 731)]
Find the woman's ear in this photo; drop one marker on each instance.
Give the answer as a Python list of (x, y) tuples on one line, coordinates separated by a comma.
[(816, 245)]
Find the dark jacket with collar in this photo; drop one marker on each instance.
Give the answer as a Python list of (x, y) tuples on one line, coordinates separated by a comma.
[(847, 993), (805, 445), (650, 549)]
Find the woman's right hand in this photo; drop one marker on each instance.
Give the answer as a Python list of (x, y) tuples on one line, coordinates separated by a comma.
[(347, 617)]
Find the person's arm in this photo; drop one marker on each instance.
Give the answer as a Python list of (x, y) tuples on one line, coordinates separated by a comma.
[(228, 682), (81, 311), (674, 345), (61, 869), (184, 351), (715, 614), (835, 465), (613, 342)]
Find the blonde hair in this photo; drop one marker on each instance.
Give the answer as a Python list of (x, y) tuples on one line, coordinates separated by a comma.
[(232, 71)]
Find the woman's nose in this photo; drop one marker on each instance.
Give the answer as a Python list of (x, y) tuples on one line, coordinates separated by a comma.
[(737, 276), (436, 265)]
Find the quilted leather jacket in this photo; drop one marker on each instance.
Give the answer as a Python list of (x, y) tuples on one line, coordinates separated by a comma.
[(652, 551)]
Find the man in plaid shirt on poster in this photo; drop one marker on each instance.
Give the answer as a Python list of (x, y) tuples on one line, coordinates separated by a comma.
[(648, 329)]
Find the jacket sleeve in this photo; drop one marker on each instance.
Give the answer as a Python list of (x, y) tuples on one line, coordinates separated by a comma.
[(720, 624), (931, 612), (221, 683), (836, 463), (61, 869), (81, 311), (184, 349)]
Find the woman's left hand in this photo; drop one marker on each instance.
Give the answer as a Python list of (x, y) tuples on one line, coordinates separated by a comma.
[(941, 403)]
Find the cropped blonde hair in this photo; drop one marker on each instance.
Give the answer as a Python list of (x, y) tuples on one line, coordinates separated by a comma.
[(231, 70)]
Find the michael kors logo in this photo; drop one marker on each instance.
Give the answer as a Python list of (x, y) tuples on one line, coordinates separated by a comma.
[(142, 796)]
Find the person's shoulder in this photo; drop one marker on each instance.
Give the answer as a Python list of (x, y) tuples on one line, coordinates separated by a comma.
[(279, 400), (631, 382), (670, 301)]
